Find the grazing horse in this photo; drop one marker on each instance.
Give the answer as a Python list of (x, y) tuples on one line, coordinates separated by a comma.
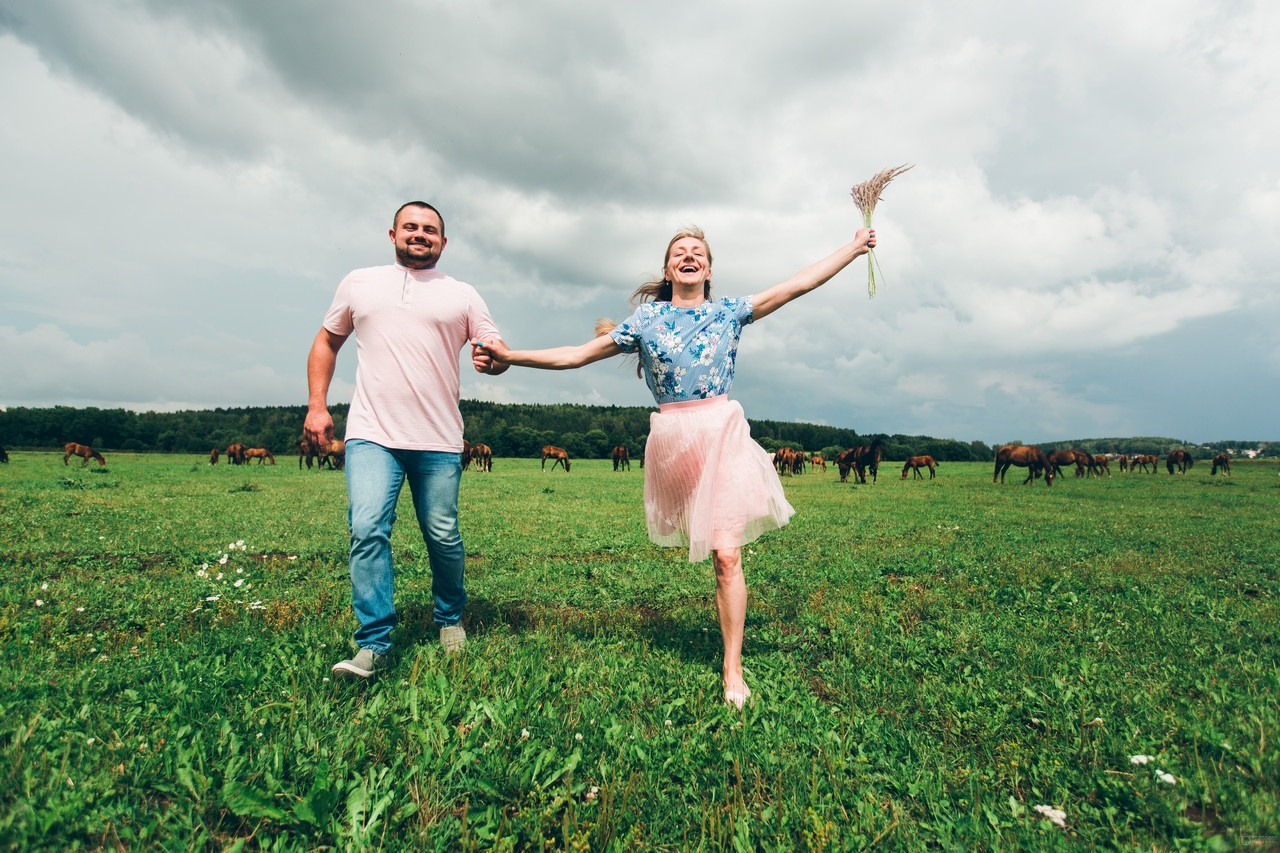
[(213, 456), (1099, 464), (307, 450), (84, 451), (817, 463), (621, 458), (915, 463), (482, 455), (1058, 458), (782, 460), (1179, 459), (259, 453), (558, 455), (334, 454), (1124, 462), (863, 458), (235, 453), (466, 454), (1142, 460), (1222, 461), (4, 457), (1024, 456)]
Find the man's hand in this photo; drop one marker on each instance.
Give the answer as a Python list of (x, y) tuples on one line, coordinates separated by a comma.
[(486, 356), (318, 427)]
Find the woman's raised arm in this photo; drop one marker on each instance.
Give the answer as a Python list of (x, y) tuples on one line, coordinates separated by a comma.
[(811, 277)]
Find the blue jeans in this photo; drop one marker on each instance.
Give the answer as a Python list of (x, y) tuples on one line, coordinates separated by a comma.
[(375, 475)]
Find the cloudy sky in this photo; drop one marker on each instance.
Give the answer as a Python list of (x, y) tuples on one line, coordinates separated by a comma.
[(1086, 247)]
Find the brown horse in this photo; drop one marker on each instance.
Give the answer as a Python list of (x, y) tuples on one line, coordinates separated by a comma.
[(1124, 462), (817, 463), (466, 454), (213, 456), (84, 451), (558, 455), (1100, 465), (1179, 459), (334, 454), (235, 453), (1141, 461), (621, 458), (861, 459), (1222, 461), (915, 463), (1058, 458), (4, 457), (307, 451), (259, 453), (1024, 456), (482, 455)]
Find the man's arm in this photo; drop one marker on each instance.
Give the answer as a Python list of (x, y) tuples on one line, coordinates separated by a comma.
[(321, 362)]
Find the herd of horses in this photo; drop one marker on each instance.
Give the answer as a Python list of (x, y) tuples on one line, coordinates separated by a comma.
[(238, 454), (1049, 465), (860, 460)]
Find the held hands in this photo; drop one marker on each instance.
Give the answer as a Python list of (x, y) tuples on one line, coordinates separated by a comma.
[(485, 355), (489, 351)]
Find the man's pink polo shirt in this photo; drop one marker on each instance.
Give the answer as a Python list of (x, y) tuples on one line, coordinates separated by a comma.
[(410, 326)]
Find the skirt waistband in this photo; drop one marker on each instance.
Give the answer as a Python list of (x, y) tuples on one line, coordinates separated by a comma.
[(687, 405)]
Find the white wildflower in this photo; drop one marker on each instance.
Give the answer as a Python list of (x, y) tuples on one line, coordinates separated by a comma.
[(1167, 778), (79, 609), (1058, 816), (1141, 759), (524, 734), (44, 586), (578, 736), (222, 561), (239, 581), (39, 602)]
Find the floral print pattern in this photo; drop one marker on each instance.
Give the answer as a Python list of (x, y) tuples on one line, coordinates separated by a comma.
[(686, 353)]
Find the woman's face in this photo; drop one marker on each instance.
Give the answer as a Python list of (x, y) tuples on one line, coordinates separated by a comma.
[(688, 262)]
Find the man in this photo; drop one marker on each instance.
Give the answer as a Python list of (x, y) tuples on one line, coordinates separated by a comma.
[(410, 322)]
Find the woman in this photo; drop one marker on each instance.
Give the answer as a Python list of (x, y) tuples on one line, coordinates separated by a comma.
[(707, 484)]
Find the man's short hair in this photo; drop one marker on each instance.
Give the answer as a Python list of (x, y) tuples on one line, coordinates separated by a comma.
[(395, 220)]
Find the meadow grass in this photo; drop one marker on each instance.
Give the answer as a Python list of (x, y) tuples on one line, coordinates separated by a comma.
[(931, 660)]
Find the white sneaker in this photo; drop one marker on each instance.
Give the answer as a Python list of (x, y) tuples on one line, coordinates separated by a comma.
[(453, 638), (364, 664)]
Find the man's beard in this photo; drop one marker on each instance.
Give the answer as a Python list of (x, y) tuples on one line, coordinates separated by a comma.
[(416, 262)]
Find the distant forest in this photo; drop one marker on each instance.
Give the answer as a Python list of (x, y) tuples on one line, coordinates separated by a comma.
[(511, 430)]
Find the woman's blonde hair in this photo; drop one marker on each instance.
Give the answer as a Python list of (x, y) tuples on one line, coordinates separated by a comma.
[(659, 289)]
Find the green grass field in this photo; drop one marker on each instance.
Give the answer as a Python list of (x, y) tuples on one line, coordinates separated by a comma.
[(932, 661)]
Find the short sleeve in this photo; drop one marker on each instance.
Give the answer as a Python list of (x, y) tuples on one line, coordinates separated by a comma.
[(740, 309), (480, 323), (627, 333), (338, 318)]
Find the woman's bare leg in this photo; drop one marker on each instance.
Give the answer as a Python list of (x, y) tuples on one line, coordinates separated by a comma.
[(731, 603)]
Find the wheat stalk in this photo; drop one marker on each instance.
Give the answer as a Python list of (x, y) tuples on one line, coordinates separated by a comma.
[(865, 195)]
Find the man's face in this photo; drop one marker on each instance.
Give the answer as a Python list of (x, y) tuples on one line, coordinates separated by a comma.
[(418, 238)]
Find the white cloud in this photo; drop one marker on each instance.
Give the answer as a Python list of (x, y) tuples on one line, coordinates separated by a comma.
[(186, 185)]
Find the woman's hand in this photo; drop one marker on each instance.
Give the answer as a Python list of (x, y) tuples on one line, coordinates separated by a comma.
[(488, 356), (865, 239)]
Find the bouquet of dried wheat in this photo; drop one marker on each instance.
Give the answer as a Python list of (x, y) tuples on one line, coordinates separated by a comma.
[(865, 195)]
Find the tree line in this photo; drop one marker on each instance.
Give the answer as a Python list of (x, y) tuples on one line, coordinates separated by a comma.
[(510, 429)]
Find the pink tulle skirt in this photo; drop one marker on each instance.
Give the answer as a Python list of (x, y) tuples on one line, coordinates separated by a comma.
[(707, 484)]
